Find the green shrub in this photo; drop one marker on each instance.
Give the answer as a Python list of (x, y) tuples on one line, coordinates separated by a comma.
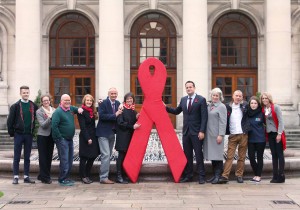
[(37, 101)]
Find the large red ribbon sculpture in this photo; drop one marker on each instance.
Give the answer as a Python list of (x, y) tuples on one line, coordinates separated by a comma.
[(153, 111)]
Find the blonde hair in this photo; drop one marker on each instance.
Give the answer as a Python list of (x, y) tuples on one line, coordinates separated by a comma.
[(269, 96), (93, 105), (218, 91)]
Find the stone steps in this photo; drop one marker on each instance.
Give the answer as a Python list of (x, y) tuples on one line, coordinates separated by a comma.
[(293, 138), (6, 142)]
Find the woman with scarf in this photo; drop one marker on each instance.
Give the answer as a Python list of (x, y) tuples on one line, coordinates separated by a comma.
[(88, 143), (213, 147), (126, 124), (256, 138), (275, 136), (45, 142)]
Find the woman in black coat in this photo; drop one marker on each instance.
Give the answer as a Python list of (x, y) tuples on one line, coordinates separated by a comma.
[(126, 123), (88, 143)]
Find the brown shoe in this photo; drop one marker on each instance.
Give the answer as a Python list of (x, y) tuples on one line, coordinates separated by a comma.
[(106, 181)]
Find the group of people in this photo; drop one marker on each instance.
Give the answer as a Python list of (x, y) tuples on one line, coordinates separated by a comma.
[(205, 124), (249, 126)]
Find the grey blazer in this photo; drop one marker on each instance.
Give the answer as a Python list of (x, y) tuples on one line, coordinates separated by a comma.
[(44, 121)]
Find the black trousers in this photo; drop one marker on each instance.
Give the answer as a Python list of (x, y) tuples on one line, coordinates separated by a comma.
[(85, 166), (192, 143), (277, 155), (120, 160), (45, 148), (258, 149), (217, 166)]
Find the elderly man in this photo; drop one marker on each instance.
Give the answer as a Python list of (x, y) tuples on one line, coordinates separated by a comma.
[(63, 130), (108, 111)]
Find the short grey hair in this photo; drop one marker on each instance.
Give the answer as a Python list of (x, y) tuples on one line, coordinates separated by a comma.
[(218, 91)]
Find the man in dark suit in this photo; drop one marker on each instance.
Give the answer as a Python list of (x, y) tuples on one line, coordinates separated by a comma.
[(108, 111), (194, 110)]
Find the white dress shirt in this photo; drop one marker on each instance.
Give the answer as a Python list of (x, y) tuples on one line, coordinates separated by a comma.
[(235, 124)]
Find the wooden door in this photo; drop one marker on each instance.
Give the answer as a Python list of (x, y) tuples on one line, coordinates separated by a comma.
[(73, 83), (228, 83)]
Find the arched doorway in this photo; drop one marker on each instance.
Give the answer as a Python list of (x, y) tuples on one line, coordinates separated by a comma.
[(234, 55), (72, 58), (154, 35)]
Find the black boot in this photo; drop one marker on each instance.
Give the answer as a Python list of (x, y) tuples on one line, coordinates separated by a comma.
[(120, 178), (281, 178), (217, 176), (274, 179)]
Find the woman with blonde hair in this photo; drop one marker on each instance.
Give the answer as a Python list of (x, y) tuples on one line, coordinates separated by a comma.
[(275, 135), (88, 143), (213, 147)]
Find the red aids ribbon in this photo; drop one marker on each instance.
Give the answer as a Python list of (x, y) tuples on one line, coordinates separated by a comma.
[(153, 112)]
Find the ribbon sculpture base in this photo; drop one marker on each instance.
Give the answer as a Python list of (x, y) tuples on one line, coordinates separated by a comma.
[(153, 112)]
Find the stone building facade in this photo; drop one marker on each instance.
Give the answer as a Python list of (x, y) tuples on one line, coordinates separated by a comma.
[(87, 46)]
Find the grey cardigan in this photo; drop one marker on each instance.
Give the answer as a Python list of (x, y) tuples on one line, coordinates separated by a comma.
[(44, 121)]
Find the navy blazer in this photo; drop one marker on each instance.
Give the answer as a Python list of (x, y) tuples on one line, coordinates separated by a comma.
[(194, 121), (107, 120)]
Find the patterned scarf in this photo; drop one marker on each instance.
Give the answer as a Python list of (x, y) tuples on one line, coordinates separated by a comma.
[(127, 106)]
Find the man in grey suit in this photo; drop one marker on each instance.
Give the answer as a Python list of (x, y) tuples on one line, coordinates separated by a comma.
[(194, 110)]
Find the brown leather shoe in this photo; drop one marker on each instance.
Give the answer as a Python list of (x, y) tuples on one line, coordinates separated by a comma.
[(106, 181)]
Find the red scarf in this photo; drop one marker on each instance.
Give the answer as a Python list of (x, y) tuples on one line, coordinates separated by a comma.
[(274, 116), (89, 109), (132, 106)]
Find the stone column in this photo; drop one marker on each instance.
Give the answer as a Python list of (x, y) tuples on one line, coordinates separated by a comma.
[(278, 50), (195, 46), (28, 46), (111, 47)]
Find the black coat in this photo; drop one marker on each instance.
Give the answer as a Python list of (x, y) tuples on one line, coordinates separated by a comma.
[(87, 131), (125, 123)]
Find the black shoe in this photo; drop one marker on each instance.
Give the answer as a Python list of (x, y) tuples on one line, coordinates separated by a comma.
[(222, 180), (216, 180), (281, 178), (201, 181), (185, 179), (15, 181), (28, 181), (85, 180), (90, 180), (211, 179), (120, 179), (239, 179), (46, 181)]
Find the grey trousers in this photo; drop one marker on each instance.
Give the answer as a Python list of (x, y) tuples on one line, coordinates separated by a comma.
[(106, 147)]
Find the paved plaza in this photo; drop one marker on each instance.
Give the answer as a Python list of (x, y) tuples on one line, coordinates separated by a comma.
[(151, 194)]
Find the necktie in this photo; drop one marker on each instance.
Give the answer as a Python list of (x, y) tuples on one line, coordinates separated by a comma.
[(190, 104), (113, 108)]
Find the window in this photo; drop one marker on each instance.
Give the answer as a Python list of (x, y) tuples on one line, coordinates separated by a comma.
[(72, 42)]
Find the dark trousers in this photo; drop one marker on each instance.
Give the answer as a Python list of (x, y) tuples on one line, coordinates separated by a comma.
[(217, 166), (192, 143), (19, 141), (258, 149), (45, 148), (120, 160), (85, 166), (277, 155)]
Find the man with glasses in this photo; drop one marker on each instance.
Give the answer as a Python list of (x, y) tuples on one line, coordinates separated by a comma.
[(20, 125)]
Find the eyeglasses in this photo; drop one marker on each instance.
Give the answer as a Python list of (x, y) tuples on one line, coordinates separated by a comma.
[(45, 101)]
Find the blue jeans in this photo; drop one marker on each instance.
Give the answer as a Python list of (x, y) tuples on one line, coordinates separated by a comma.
[(106, 147), (65, 151), (19, 140)]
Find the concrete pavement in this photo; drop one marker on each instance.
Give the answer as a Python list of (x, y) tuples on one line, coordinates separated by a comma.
[(144, 195)]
